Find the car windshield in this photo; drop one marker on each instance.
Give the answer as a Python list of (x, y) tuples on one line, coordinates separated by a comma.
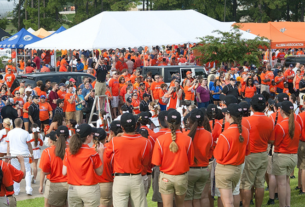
[(16, 83)]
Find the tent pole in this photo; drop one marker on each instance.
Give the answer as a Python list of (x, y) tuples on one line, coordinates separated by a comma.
[(270, 57), (16, 61), (55, 60), (24, 59), (188, 52)]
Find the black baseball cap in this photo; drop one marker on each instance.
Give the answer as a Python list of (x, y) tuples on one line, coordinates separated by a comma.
[(271, 102), (258, 100), (186, 117), (59, 101), (35, 97), (228, 99), (286, 106), (204, 110), (146, 95), (197, 115), (62, 130), (282, 97), (144, 132), (174, 116), (100, 134), (232, 79), (84, 130), (129, 100), (235, 110), (162, 116), (245, 106), (124, 108), (144, 115), (52, 136), (115, 125), (128, 120), (212, 108)]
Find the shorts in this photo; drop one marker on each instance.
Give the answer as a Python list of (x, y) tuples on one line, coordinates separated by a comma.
[(26, 120), (115, 101), (84, 195), (58, 194), (283, 164), (100, 88), (197, 179), (301, 156), (106, 193), (269, 167), (264, 88), (36, 154), (46, 189), (227, 176), (3, 202), (79, 116), (45, 122), (71, 115), (170, 184), (255, 170), (156, 197)]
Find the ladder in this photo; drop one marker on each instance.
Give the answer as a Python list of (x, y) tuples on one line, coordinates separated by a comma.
[(97, 100)]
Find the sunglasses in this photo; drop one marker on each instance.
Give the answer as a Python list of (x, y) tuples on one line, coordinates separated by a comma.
[(17, 93)]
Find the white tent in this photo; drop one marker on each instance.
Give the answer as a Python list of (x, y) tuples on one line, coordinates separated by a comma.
[(30, 30), (133, 29)]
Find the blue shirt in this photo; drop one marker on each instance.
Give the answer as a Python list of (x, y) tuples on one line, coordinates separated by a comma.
[(79, 107), (211, 84), (80, 67), (85, 91), (216, 90), (2, 104), (83, 86)]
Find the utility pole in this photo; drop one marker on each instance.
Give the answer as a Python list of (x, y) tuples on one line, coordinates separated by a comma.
[(38, 14)]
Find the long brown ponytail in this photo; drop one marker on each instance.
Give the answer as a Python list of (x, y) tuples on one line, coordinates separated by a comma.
[(193, 130), (60, 146), (173, 147), (76, 143), (237, 120), (291, 123), (35, 134)]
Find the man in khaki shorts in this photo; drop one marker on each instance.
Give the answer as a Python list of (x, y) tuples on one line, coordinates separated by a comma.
[(101, 72)]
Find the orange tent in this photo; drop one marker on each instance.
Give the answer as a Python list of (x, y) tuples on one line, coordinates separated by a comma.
[(277, 33), (42, 33)]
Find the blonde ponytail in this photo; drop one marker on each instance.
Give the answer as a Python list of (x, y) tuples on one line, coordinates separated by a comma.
[(237, 120), (173, 147)]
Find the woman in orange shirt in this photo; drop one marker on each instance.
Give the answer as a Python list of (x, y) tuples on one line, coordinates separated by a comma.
[(231, 149), (81, 164), (296, 82), (249, 90), (121, 82), (174, 154), (198, 174), (286, 135), (162, 92), (135, 103), (26, 112), (51, 164), (21, 63)]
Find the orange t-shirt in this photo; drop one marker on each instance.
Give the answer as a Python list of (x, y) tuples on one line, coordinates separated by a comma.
[(203, 143), (136, 103), (29, 69), (289, 73), (63, 68), (173, 163), (297, 81), (115, 86), (26, 107), (133, 78), (62, 95), (129, 159), (261, 128), (282, 141), (189, 95), (161, 94), (21, 65), (81, 166), (107, 176), (249, 91), (9, 79), (229, 150), (70, 106), (272, 89), (281, 84), (44, 109), (301, 120), (8, 181), (63, 62), (21, 103), (155, 89)]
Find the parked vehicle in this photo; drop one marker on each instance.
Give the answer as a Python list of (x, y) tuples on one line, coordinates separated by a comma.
[(293, 59)]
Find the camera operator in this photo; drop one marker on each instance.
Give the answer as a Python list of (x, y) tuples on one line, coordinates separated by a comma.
[(89, 98), (189, 90), (8, 111), (188, 77), (302, 90), (231, 88), (174, 93), (101, 72)]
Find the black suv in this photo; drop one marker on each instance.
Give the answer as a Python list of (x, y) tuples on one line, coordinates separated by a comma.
[(293, 59), (56, 77)]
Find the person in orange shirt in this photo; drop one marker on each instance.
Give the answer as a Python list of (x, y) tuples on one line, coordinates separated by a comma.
[(249, 90), (256, 163), (62, 94), (174, 94), (18, 100), (63, 61), (114, 89), (81, 164), (265, 80), (26, 112), (45, 111), (135, 74), (296, 82), (63, 68), (155, 86), (230, 152), (162, 92), (279, 81), (135, 103), (289, 75), (29, 68), (21, 63), (174, 154), (70, 101), (128, 163), (9, 78), (198, 174), (286, 136), (189, 90), (300, 52), (51, 164)]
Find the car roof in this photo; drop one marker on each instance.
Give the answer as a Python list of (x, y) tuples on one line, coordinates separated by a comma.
[(174, 66), (53, 73), (295, 56)]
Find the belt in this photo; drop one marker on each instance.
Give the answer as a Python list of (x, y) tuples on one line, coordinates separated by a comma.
[(100, 81), (198, 167), (148, 174), (124, 174), (174, 175), (286, 153)]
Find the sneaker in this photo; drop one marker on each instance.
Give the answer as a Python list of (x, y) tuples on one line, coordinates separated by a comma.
[(251, 202), (276, 196), (270, 202), (16, 193), (292, 177), (241, 204), (297, 188), (267, 189), (301, 193), (29, 193)]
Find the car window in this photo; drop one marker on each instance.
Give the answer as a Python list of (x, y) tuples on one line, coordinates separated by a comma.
[(200, 73), (168, 72), (153, 70), (16, 82), (183, 72)]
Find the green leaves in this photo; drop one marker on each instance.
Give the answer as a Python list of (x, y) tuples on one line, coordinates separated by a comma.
[(229, 47)]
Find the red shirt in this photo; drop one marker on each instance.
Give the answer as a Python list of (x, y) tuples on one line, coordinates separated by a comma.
[(282, 141), (289, 72), (29, 69), (107, 176), (7, 179), (280, 84), (249, 91), (17, 176), (114, 86)]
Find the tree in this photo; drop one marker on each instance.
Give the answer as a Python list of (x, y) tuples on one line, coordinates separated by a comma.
[(3, 23), (230, 47)]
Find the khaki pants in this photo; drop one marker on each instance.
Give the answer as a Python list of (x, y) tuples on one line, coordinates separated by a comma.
[(58, 194), (301, 155), (100, 88), (79, 117), (255, 170), (70, 115), (283, 164), (12, 201), (46, 189), (106, 194), (79, 196), (170, 184), (197, 179), (125, 187), (227, 176), (3, 202)]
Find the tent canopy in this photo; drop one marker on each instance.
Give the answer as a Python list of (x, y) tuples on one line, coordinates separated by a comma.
[(61, 29), (278, 33), (42, 33), (110, 30), (30, 30), (19, 40), (3, 35)]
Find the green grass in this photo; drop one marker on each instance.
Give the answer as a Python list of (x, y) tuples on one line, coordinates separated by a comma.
[(296, 199), (10, 28)]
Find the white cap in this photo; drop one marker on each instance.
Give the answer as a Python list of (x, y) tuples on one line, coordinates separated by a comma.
[(105, 58), (246, 70), (28, 89)]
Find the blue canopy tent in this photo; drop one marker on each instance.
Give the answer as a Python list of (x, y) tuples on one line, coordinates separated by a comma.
[(61, 29), (19, 41)]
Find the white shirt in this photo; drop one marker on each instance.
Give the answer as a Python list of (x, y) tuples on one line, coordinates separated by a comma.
[(296, 109), (3, 143), (18, 139), (39, 143), (73, 63)]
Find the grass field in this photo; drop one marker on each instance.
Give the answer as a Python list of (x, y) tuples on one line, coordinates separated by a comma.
[(296, 199)]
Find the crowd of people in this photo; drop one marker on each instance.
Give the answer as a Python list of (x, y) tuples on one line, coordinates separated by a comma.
[(189, 141)]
